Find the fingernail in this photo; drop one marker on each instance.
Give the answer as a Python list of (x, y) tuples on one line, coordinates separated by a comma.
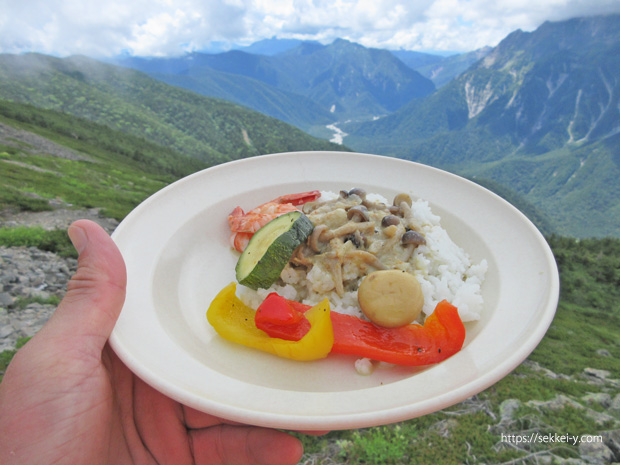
[(78, 238)]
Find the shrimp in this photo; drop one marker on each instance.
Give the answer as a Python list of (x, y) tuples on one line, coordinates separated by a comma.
[(244, 225)]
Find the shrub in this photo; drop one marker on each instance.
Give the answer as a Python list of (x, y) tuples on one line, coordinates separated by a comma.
[(55, 240)]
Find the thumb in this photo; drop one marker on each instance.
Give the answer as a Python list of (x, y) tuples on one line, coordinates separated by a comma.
[(96, 292)]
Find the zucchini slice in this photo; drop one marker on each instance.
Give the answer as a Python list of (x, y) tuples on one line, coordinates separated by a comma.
[(271, 248)]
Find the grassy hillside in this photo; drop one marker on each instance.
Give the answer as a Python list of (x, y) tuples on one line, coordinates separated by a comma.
[(577, 187), (207, 129), (79, 163)]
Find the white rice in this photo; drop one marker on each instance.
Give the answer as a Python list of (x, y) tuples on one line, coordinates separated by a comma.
[(444, 270)]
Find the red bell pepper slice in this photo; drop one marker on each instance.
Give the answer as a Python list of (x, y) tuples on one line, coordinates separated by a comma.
[(279, 318), (441, 336), (278, 310)]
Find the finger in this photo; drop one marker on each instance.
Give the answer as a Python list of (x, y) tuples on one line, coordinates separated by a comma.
[(315, 433), (96, 292), (244, 445), (195, 419), (159, 422)]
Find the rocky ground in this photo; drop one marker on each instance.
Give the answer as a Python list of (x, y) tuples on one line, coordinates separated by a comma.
[(32, 282), (25, 140)]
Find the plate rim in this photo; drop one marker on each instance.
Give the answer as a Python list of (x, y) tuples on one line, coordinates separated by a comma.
[(359, 419)]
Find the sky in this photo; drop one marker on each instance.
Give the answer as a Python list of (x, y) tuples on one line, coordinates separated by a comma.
[(108, 28)]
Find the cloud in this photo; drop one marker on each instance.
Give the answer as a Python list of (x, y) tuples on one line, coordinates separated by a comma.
[(173, 27), (140, 27), (62, 27)]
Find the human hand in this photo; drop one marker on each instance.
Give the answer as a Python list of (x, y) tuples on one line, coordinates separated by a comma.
[(66, 398)]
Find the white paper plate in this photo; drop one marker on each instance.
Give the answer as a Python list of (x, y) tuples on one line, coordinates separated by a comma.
[(175, 245)]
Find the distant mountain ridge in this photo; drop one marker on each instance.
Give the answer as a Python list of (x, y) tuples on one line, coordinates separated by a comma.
[(564, 87), (540, 113), (273, 46), (539, 89), (314, 84), (355, 81), (444, 71)]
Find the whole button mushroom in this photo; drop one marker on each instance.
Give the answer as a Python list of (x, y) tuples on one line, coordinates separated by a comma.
[(390, 298)]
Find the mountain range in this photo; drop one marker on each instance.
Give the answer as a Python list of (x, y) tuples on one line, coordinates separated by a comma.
[(536, 116), (539, 113), (310, 85)]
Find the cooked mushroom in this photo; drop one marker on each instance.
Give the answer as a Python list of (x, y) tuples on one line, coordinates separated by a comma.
[(361, 193), (367, 258), (335, 268), (366, 227), (358, 213), (402, 198), (413, 237), (390, 220), (360, 239), (393, 239), (315, 237), (300, 258), (409, 219), (357, 239)]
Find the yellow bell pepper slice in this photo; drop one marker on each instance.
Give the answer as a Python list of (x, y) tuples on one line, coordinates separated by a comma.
[(234, 321)]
